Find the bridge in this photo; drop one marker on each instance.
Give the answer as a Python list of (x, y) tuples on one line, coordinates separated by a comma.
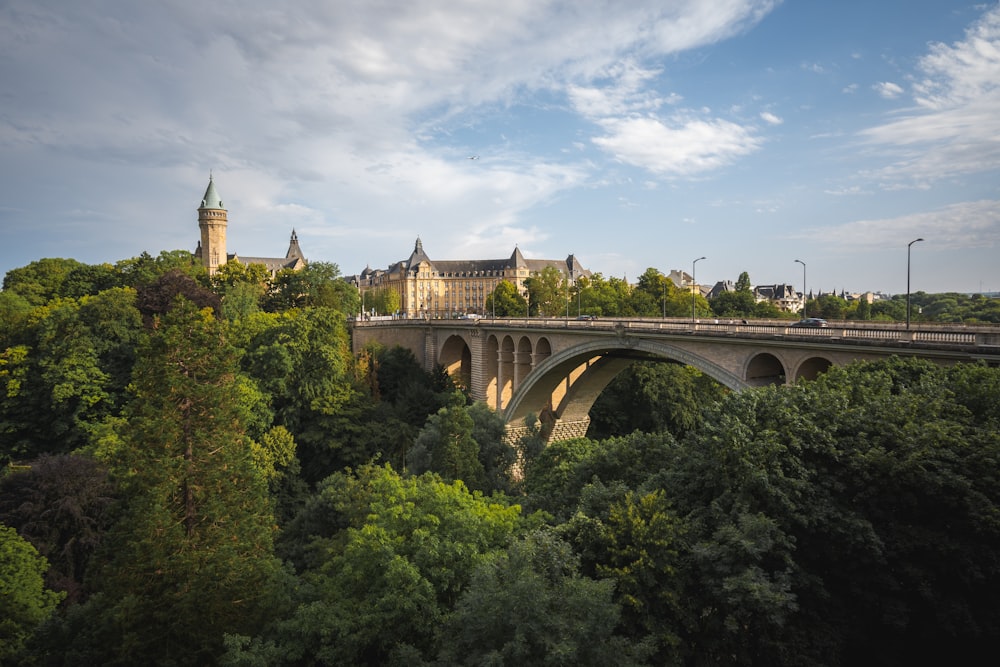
[(556, 368)]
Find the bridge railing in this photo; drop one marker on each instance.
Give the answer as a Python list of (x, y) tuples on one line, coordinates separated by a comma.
[(943, 335)]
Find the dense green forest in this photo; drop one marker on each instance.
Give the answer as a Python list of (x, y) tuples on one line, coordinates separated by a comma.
[(197, 471)]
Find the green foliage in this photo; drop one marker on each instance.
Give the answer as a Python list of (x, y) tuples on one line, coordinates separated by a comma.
[(145, 269), (318, 284), (547, 292), (505, 301), (848, 518), (301, 360), (41, 281), (63, 506), (381, 301), (495, 454), (24, 601), (71, 376), (828, 307), (643, 539), (740, 304), (191, 557), (387, 552), (607, 298), (445, 445), (529, 606), (653, 397), (156, 298)]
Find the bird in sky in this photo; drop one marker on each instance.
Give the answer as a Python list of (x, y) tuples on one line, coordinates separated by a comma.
[(473, 157)]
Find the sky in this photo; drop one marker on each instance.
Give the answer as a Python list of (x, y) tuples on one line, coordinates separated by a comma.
[(631, 134)]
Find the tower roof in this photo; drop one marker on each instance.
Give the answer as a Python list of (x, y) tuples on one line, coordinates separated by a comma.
[(517, 259), (211, 198), (294, 251), (418, 255)]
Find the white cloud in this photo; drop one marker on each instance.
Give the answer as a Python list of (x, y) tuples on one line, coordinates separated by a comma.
[(770, 118), (678, 147), (888, 89), (955, 127), (966, 225)]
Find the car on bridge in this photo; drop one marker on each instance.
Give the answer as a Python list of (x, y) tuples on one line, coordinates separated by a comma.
[(812, 322)]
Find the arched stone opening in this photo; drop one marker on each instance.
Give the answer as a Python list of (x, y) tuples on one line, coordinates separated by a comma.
[(491, 362), (505, 373), (456, 358), (811, 368), (765, 369), (543, 350), (522, 360)]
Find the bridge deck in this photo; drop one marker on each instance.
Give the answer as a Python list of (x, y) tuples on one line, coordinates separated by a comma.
[(930, 336)]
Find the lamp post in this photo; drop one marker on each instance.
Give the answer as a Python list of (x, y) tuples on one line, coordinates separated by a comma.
[(908, 246), (694, 285), (804, 297)]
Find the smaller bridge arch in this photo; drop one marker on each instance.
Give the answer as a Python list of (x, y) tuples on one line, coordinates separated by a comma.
[(456, 358), (764, 369), (811, 368)]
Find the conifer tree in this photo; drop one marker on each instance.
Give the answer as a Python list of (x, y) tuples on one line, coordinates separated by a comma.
[(192, 555)]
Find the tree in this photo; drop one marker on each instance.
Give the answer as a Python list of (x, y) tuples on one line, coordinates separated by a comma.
[(385, 552), (547, 292), (382, 300), (301, 361), (40, 281), (743, 283), (317, 284), (505, 301), (529, 606), (63, 506), (144, 269), (828, 307), (191, 558), (643, 537), (495, 454), (159, 296), (653, 396), (445, 445), (24, 601), (241, 287), (740, 304)]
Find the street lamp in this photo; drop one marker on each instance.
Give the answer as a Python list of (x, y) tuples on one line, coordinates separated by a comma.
[(804, 297), (908, 246), (694, 285)]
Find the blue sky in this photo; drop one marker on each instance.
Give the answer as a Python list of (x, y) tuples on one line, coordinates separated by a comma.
[(632, 134)]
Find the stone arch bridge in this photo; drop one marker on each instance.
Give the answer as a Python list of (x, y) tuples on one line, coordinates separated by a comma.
[(556, 368)]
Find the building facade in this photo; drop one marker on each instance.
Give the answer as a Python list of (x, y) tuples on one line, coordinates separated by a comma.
[(449, 288), (784, 297), (213, 220)]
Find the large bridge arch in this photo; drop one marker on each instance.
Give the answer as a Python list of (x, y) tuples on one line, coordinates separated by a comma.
[(568, 382)]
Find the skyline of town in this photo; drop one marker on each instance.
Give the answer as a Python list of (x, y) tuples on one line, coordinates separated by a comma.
[(751, 132)]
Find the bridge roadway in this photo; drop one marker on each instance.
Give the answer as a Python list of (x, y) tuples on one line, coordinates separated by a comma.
[(556, 368)]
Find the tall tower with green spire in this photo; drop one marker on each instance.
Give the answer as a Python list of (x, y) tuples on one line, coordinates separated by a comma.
[(213, 221)]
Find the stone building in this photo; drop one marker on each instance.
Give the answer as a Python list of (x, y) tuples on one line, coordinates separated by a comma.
[(213, 220), (783, 296), (449, 288)]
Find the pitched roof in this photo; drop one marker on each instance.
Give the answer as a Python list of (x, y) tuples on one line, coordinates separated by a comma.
[(211, 198)]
